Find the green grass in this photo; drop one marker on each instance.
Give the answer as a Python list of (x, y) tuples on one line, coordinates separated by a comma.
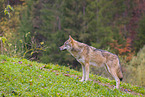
[(20, 77)]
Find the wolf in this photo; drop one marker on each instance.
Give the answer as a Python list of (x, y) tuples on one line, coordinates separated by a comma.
[(87, 55)]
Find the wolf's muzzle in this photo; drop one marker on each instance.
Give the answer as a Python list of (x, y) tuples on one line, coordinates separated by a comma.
[(61, 48)]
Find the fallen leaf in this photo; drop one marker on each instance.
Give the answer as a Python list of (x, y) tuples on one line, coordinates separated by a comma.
[(30, 83), (57, 74), (129, 90), (66, 74)]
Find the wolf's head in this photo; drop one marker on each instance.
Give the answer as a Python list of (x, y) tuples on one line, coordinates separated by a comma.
[(68, 44)]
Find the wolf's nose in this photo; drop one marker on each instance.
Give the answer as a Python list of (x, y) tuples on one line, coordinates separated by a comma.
[(60, 48)]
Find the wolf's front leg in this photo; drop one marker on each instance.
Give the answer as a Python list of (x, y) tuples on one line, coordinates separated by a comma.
[(83, 69), (87, 71)]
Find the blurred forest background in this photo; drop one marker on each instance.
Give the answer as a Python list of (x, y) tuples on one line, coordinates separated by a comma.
[(36, 28)]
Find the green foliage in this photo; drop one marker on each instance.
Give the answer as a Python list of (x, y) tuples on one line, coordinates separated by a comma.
[(10, 36), (3, 39), (139, 43), (139, 59), (86, 20), (95, 22), (20, 77), (137, 69), (8, 9), (2, 8)]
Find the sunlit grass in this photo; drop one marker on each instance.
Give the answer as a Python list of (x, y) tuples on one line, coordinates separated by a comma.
[(20, 77)]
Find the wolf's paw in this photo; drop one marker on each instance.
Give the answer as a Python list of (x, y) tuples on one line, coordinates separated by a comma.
[(115, 87), (81, 80)]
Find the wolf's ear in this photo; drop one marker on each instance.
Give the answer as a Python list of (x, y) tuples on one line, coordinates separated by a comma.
[(70, 38)]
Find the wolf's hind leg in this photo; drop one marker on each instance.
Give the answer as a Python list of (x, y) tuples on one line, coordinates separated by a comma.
[(113, 72), (117, 80)]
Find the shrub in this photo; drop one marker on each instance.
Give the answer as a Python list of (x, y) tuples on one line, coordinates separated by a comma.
[(136, 68)]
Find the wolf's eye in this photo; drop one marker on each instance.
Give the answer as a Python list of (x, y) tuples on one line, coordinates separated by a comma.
[(66, 43)]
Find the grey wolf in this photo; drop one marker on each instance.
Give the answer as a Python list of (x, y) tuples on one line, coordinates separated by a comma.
[(87, 55)]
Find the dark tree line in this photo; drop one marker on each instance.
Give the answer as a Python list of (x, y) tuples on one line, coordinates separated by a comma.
[(114, 25)]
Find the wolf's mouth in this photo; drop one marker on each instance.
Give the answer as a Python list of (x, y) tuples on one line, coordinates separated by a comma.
[(61, 48)]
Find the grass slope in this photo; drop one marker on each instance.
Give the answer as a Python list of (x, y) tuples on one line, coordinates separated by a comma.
[(20, 77)]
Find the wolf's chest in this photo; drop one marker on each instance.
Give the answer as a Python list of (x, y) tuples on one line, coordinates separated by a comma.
[(81, 60)]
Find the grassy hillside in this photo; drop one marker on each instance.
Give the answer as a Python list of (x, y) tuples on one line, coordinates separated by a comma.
[(20, 77)]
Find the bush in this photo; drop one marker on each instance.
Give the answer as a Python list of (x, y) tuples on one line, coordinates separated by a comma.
[(136, 69)]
